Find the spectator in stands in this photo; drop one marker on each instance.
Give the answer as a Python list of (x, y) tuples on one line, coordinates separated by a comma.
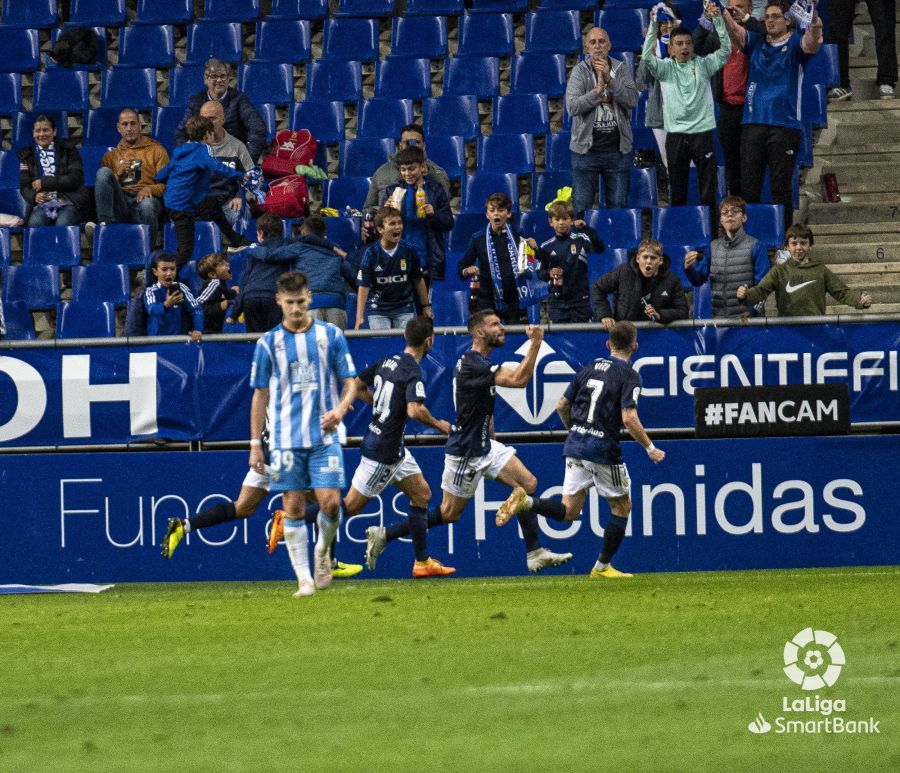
[(389, 273), (242, 119), (423, 226), (643, 289), (388, 173), (170, 305), (735, 260), (187, 177), (729, 86), (884, 20), (233, 153), (126, 190), (800, 283), (600, 94), (688, 114), (51, 178), (771, 125), (215, 295)]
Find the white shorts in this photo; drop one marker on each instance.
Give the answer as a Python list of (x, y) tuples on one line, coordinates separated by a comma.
[(463, 474), (255, 479), (609, 480), (371, 477)]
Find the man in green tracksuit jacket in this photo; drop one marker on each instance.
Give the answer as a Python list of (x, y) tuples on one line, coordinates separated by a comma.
[(800, 283)]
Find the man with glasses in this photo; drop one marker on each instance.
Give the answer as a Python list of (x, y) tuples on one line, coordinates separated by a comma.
[(242, 119)]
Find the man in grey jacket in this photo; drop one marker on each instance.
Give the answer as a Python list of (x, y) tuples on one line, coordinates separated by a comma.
[(599, 96)]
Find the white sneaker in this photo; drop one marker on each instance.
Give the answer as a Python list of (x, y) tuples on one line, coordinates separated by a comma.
[(376, 541), (542, 558), (89, 228), (885, 91), (307, 588), (839, 94), (322, 559)]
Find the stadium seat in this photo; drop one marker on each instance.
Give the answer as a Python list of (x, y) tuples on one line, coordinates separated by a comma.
[(267, 82), (122, 87), (97, 13), (12, 203), (351, 39), (506, 153), (123, 243), (36, 286), (604, 262), (298, 9), (61, 89), (108, 282), (5, 253), (814, 105), (207, 239), (693, 198), (55, 245), (434, 7), (626, 27), (91, 155), (822, 68), (629, 58), (334, 79), (362, 156), (164, 12), (681, 225), (616, 227), (101, 127), (17, 321), (451, 307), (147, 45), (31, 14), (419, 36), (283, 40), (188, 274), (185, 81), (642, 188), (556, 31), (545, 185), (765, 196), (478, 76), (367, 9), (477, 187), (675, 252), (805, 153), (567, 5), (9, 170), (447, 152), (382, 117), (344, 232), (486, 34), (703, 301), (269, 115), (214, 40), (403, 78), (325, 120), (766, 223), (464, 225), (457, 116), (498, 6), (85, 319), (165, 122), (538, 73), (21, 50), (558, 157), (346, 191), (535, 223), (231, 10), (23, 124), (521, 114)]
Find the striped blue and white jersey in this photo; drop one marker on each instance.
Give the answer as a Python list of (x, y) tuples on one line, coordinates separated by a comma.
[(303, 373)]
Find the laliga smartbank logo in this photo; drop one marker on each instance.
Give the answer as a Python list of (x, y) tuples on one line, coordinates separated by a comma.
[(813, 660)]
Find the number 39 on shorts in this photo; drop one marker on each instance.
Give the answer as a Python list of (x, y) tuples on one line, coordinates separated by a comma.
[(282, 460)]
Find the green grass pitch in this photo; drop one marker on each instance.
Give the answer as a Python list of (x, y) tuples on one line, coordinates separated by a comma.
[(664, 672)]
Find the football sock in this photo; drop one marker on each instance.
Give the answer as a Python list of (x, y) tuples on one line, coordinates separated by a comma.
[(612, 538), (328, 526), (311, 512), (549, 508), (296, 538), (220, 513), (402, 529), (418, 529), (528, 522), (434, 517)]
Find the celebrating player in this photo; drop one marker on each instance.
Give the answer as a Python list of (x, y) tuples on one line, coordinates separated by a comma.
[(296, 369)]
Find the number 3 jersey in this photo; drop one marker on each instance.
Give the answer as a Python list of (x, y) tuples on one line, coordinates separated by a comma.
[(396, 382), (599, 394)]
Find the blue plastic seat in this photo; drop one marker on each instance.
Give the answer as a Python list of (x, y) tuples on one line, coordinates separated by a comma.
[(85, 319), (10, 93), (123, 87), (541, 72), (681, 225), (188, 274), (11, 202), (465, 224), (124, 243), (506, 153), (766, 223), (5, 252), (61, 89), (498, 6), (32, 14), (352, 39), (478, 76), (556, 31), (822, 68), (521, 114), (366, 9), (447, 152), (814, 105), (267, 82), (558, 157), (343, 231), (457, 116), (91, 156), (334, 79), (346, 191), (451, 307), (703, 301), (545, 185), (9, 170), (402, 78), (434, 7), (283, 40), (419, 36), (362, 156), (107, 282), (17, 321), (231, 10), (164, 12), (298, 9), (207, 239), (147, 45), (616, 227), (214, 40), (477, 187), (642, 191), (21, 50), (382, 117), (23, 124), (765, 196), (36, 286), (694, 185), (185, 81), (54, 245), (486, 34), (268, 113), (567, 5), (101, 127), (325, 120), (97, 13), (165, 122), (626, 27), (675, 252), (535, 223), (604, 262)]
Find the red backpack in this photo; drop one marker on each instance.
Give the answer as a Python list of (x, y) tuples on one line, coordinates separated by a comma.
[(288, 150), (287, 197)]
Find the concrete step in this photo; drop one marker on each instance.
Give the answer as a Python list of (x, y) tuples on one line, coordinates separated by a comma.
[(857, 233), (855, 212), (851, 196), (851, 171), (879, 254), (874, 153)]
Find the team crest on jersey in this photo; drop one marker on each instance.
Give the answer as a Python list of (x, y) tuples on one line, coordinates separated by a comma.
[(420, 389), (538, 400), (403, 264)]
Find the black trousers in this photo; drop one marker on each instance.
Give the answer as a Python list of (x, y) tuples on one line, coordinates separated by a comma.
[(208, 209), (883, 13), (729, 126), (261, 314), (774, 147), (681, 150)]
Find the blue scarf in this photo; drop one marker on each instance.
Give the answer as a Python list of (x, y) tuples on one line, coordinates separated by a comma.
[(530, 289)]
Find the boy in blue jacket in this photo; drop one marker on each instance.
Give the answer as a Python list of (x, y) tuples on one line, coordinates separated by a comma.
[(168, 301), (187, 177)]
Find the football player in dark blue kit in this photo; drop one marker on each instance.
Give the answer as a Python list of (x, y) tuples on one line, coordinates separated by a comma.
[(595, 407)]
